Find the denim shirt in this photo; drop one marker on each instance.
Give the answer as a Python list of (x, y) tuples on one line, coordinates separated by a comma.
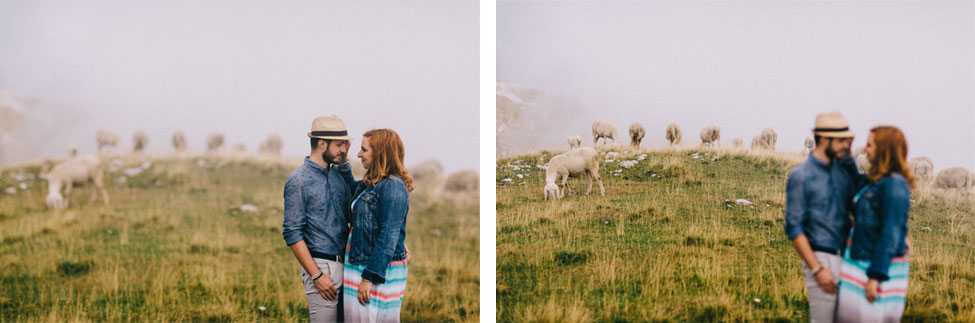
[(315, 200), (880, 229), (379, 226), (818, 202)]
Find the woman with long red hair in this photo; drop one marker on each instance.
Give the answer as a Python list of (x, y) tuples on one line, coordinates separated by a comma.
[(873, 279), (375, 262)]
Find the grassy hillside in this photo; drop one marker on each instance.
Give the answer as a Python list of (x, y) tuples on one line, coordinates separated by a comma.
[(668, 243), (174, 245)]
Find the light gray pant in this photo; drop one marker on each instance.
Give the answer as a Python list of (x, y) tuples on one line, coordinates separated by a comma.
[(822, 305), (320, 309)]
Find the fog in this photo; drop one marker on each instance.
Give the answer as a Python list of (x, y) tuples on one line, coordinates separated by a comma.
[(745, 66), (244, 68)]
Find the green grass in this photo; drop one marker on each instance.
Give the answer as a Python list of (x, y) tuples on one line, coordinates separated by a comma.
[(172, 246), (668, 243)]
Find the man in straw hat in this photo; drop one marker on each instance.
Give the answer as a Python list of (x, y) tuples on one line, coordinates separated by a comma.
[(817, 218), (315, 216)]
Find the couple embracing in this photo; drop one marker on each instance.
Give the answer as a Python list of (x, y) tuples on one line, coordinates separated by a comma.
[(349, 235), (855, 268)]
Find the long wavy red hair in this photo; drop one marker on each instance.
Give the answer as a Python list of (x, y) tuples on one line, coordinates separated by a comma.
[(387, 158), (890, 154)]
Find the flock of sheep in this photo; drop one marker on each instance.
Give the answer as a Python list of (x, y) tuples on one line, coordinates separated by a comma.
[(584, 160)]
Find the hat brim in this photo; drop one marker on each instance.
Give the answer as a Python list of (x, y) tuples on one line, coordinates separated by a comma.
[(330, 137), (835, 134)]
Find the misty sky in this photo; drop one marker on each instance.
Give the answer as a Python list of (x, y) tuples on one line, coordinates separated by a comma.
[(745, 66), (245, 68)]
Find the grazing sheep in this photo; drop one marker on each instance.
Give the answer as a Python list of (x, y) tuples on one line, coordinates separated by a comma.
[(922, 168), (214, 142), (575, 162), (463, 181), (636, 134), (427, 175), (673, 134), (955, 177), (179, 141), (603, 129), (76, 170), (858, 151), (863, 163), (808, 145), (737, 143), (73, 151), (240, 148), (757, 143), (106, 138), (575, 142), (765, 140), (140, 141), (271, 146), (710, 136)]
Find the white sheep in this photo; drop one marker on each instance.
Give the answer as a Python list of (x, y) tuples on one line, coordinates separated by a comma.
[(673, 134), (179, 141), (710, 136), (765, 140), (603, 129), (214, 142), (808, 145), (756, 143), (76, 170), (636, 134), (428, 176), (574, 142), (922, 168), (271, 146), (955, 177), (575, 162), (737, 143), (106, 138), (463, 181), (139, 141), (858, 151), (863, 163)]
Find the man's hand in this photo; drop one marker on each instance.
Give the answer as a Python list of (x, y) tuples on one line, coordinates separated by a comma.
[(825, 279), (871, 290), (364, 286), (324, 285)]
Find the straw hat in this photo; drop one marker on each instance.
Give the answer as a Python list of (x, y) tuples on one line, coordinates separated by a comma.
[(330, 127), (832, 124)]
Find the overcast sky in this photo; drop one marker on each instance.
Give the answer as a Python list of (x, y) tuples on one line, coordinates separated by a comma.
[(745, 66), (244, 68)]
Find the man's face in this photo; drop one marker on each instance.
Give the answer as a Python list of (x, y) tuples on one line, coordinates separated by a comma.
[(838, 147), (335, 151)]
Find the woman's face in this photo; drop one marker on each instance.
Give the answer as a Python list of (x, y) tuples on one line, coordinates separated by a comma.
[(871, 147), (365, 153)]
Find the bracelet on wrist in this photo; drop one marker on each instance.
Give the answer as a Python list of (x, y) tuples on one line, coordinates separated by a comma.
[(817, 270), (318, 276)]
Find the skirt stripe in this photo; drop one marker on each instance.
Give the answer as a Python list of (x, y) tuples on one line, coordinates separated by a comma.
[(852, 304), (385, 300)]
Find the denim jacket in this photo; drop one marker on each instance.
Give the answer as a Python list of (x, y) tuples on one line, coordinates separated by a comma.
[(880, 224), (379, 226), (817, 202), (315, 200)]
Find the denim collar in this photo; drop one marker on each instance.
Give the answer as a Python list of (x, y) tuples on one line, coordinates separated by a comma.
[(816, 162), (315, 166)]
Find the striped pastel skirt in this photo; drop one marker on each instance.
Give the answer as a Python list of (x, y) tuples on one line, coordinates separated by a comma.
[(385, 300), (852, 304)]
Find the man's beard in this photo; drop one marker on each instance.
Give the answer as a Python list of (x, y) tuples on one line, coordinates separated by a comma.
[(331, 159), (830, 153)]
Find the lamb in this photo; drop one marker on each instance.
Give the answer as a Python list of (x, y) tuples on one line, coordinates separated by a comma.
[(922, 168), (463, 181), (575, 162), (808, 145), (603, 129), (673, 134), (179, 141), (710, 136), (955, 177), (76, 170), (106, 138), (766, 140), (214, 142), (575, 142), (636, 134), (139, 140), (271, 146)]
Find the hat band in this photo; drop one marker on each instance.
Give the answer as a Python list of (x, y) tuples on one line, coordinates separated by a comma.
[(330, 133), (830, 130)]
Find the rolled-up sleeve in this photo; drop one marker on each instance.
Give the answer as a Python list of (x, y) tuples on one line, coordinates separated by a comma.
[(294, 212), (795, 206), (393, 206), (893, 214)]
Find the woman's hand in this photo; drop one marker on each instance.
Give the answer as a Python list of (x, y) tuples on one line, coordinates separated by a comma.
[(871, 289), (364, 286), (407, 252)]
